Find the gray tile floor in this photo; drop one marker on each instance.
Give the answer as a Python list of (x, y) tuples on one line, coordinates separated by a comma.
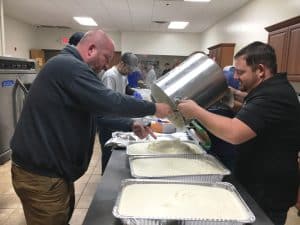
[(11, 212)]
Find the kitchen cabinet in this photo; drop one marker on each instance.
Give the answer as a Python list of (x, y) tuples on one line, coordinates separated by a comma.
[(284, 37), (38, 55), (222, 54), (115, 60)]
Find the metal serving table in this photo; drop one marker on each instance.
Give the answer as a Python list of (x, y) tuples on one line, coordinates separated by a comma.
[(100, 211)]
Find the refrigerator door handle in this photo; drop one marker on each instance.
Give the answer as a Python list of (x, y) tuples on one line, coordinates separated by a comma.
[(21, 84), (17, 104)]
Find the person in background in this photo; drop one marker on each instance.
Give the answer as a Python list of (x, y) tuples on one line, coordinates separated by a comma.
[(223, 150), (134, 78), (266, 130), (100, 74), (53, 140), (150, 76), (178, 61), (116, 79), (229, 75), (166, 69), (75, 38)]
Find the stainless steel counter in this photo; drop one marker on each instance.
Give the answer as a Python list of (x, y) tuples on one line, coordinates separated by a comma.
[(100, 211)]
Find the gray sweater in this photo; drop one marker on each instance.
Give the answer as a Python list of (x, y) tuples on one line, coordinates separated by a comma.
[(55, 133)]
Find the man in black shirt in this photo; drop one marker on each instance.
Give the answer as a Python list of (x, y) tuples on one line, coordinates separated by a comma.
[(53, 140), (266, 130)]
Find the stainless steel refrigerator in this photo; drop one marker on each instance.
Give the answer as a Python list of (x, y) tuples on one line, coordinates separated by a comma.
[(16, 76)]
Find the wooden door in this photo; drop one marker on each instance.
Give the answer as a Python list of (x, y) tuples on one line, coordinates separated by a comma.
[(226, 58), (284, 38), (222, 54), (278, 40), (115, 60), (293, 63), (38, 55)]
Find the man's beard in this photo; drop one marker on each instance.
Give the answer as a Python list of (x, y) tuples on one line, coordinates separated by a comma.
[(96, 70), (93, 67)]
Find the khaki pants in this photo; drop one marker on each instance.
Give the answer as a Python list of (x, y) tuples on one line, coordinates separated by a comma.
[(45, 200)]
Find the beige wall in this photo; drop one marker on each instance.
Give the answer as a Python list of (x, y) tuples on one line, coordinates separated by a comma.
[(19, 38), (247, 24), (50, 38), (160, 43), (242, 27)]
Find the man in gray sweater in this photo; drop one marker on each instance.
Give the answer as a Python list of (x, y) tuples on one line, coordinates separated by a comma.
[(53, 140)]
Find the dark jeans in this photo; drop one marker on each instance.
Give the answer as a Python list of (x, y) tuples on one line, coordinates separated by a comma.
[(45, 200)]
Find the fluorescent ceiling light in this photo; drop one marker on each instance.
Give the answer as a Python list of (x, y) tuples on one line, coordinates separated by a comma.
[(177, 25), (197, 0), (85, 21)]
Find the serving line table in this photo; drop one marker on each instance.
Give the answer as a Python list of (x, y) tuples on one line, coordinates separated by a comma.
[(100, 211)]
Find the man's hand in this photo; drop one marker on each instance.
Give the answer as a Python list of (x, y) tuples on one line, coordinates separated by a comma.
[(137, 95), (238, 99), (142, 131), (162, 110), (187, 108), (238, 95)]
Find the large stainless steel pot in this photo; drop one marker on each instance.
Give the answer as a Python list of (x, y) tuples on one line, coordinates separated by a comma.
[(198, 78)]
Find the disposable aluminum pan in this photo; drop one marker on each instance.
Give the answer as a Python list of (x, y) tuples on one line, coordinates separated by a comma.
[(122, 139), (198, 149), (131, 220), (186, 177)]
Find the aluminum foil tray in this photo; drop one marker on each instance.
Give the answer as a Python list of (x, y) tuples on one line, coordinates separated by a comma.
[(186, 177), (123, 139), (198, 149), (180, 221)]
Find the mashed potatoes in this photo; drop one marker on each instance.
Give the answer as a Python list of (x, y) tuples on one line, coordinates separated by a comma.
[(164, 147), (157, 167), (180, 201)]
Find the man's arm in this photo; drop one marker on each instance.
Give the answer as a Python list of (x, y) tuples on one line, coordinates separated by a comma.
[(238, 99), (231, 130), (89, 94), (115, 123)]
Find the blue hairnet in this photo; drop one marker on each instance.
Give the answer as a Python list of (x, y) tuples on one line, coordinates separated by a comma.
[(229, 73)]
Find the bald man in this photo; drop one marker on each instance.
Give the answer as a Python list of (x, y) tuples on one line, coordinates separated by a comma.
[(53, 140)]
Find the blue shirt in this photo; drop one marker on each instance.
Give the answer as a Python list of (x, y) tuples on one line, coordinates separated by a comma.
[(133, 79)]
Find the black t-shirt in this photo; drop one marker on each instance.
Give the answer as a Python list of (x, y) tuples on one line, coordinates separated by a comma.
[(267, 164)]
